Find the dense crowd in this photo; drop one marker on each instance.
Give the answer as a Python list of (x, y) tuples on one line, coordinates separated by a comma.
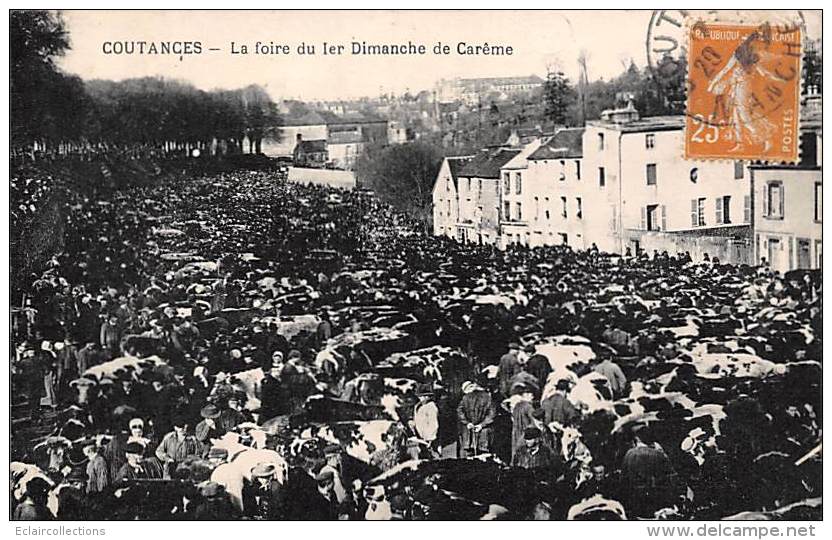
[(236, 346)]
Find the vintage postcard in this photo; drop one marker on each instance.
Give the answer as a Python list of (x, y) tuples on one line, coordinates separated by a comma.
[(415, 265)]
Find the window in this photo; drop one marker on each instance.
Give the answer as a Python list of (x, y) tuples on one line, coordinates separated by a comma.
[(697, 212), (449, 208), (723, 210), (469, 186), (563, 211), (664, 218), (739, 170), (507, 211), (773, 200), (519, 209), (580, 210), (564, 238), (651, 174), (506, 183), (600, 141), (602, 181), (746, 209), (536, 209), (649, 140), (650, 217), (818, 202), (694, 175), (518, 184), (578, 169), (479, 188), (448, 184)]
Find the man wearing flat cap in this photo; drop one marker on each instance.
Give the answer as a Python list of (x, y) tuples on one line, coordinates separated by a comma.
[(509, 367), (534, 454)]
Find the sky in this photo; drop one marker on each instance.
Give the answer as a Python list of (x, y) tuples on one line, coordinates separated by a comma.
[(539, 39)]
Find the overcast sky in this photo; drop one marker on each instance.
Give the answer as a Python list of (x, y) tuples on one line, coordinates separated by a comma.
[(538, 38)]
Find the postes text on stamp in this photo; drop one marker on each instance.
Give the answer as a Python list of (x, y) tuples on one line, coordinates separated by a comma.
[(743, 92)]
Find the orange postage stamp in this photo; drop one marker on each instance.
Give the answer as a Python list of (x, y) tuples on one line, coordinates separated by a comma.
[(743, 92)]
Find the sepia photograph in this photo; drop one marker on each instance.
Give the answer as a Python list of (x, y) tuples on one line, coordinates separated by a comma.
[(415, 265)]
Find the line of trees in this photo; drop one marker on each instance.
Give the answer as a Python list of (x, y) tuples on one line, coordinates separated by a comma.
[(53, 110)]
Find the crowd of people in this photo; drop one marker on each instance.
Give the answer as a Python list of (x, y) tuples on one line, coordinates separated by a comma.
[(237, 346)]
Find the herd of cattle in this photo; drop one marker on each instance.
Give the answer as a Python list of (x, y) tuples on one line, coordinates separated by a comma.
[(723, 363)]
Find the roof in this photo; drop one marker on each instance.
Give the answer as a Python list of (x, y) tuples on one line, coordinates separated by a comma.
[(317, 145), (650, 123), (566, 143), (520, 161), (345, 137), (501, 81), (456, 164), (317, 118), (487, 163)]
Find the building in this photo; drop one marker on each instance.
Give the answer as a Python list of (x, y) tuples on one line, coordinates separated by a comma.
[(557, 202), (310, 153), (478, 196), (646, 197), (445, 200), (621, 184), (516, 210), (344, 145), (788, 203), (345, 135), (471, 91)]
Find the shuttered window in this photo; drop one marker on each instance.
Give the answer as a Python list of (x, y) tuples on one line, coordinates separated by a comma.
[(694, 214), (746, 209), (773, 200), (664, 218), (719, 210), (739, 170), (651, 174)]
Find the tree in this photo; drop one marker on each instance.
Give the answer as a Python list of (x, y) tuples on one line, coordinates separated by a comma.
[(558, 97), (402, 175), (45, 103)]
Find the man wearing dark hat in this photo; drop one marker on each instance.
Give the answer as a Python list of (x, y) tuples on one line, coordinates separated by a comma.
[(33, 506), (509, 367), (233, 414), (137, 467), (207, 428), (263, 497), (558, 408), (177, 445), (534, 454), (213, 504)]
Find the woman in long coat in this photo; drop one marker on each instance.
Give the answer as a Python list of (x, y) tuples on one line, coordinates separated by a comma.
[(475, 413)]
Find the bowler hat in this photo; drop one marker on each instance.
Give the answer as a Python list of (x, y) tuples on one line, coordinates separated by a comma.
[(531, 433)]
